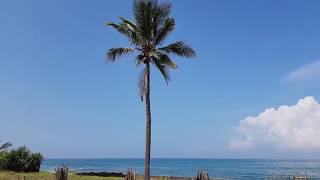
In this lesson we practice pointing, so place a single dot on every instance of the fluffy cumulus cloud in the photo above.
(307, 72)
(295, 127)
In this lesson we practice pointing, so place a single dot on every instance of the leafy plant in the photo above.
(21, 160)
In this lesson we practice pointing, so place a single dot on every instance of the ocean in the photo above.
(224, 168)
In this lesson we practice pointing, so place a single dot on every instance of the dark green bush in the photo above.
(20, 160)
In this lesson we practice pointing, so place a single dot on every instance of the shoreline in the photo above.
(224, 159)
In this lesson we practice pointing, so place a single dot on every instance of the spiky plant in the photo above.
(146, 34)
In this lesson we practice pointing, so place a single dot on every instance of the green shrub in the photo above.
(20, 160)
(2, 159)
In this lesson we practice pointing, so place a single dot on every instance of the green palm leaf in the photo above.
(179, 48)
(166, 60)
(142, 11)
(128, 29)
(163, 68)
(140, 59)
(129, 23)
(120, 28)
(160, 15)
(113, 53)
(164, 31)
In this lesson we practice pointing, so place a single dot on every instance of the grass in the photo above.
(5, 175)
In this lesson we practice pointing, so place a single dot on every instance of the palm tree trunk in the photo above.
(148, 127)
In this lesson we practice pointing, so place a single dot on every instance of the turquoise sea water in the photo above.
(227, 168)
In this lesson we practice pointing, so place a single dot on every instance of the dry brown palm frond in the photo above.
(142, 84)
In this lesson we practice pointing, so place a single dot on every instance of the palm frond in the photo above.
(166, 60)
(142, 84)
(129, 23)
(128, 29)
(134, 31)
(179, 48)
(161, 12)
(150, 16)
(113, 53)
(120, 28)
(142, 10)
(5, 146)
(150, 27)
(140, 59)
(163, 69)
(164, 31)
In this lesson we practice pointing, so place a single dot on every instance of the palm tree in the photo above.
(146, 33)
(5, 146)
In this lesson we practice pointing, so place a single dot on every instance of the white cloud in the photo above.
(307, 72)
(295, 127)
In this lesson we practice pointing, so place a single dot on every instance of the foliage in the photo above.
(6, 175)
(20, 160)
(152, 24)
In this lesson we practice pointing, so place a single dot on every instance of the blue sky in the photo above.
(58, 96)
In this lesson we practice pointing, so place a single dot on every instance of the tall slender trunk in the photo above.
(148, 127)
